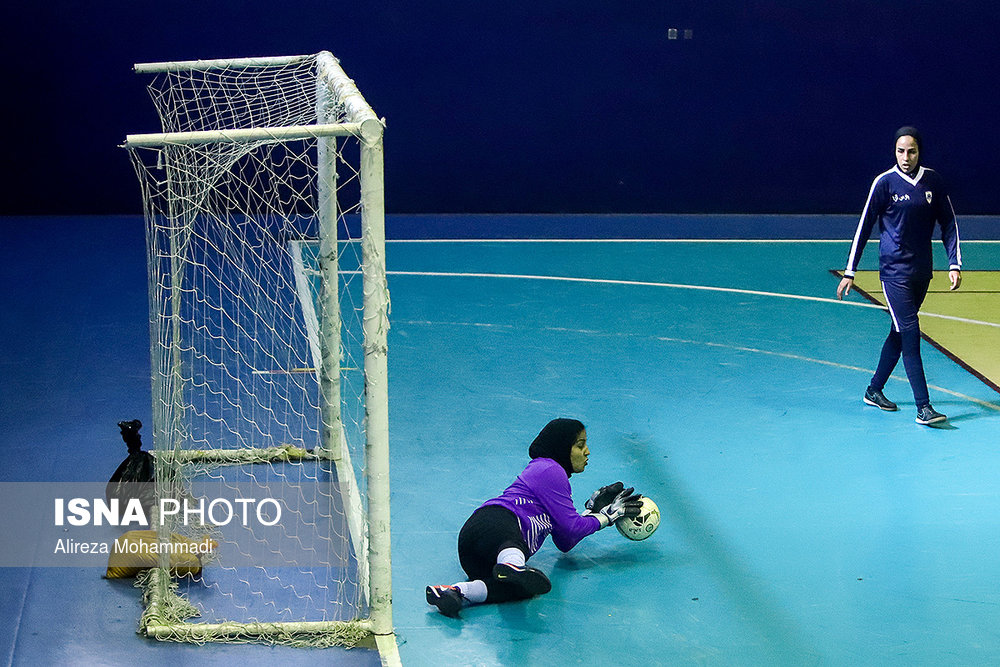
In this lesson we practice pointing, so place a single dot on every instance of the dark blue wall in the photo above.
(541, 106)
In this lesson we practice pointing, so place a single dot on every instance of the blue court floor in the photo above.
(720, 377)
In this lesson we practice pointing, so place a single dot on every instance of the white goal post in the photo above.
(264, 207)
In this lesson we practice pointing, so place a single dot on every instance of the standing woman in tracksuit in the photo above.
(906, 202)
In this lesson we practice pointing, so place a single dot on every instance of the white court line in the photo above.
(738, 348)
(797, 357)
(639, 283)
(846, 243)
(628, 241)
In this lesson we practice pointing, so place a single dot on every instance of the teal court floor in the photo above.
(720, 377)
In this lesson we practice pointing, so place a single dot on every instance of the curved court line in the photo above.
(739, 348)
(707, 288)
(823, 362)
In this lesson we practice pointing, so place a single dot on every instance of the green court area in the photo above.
(964, 324)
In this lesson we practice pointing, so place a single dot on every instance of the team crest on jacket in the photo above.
(929, 195)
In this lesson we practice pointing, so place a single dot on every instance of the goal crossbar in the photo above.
(216, 64)
(362, 121)
(368, 130)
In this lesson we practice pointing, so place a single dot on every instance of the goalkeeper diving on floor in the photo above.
(504, 532)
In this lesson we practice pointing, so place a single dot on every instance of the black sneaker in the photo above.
(448, 599)
(878, 399)
(928, 415)
(532, 581)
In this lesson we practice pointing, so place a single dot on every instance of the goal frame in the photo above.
(362, 123)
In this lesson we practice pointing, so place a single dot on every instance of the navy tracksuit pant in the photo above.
(904, 298)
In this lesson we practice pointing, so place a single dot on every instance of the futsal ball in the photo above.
(642, 526)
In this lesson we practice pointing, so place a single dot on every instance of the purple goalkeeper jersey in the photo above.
(541, 500)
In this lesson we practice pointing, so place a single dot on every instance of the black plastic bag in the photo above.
(135, 477)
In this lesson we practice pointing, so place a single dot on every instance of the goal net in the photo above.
(263, 200)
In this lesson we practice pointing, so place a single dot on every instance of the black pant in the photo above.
(489, 531)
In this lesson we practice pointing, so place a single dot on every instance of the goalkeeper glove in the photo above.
(624, 505)
(604, 496)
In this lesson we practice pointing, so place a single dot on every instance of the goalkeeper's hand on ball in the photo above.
(625, 504)
(604, 496)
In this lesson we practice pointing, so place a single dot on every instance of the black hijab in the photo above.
(555, 442)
